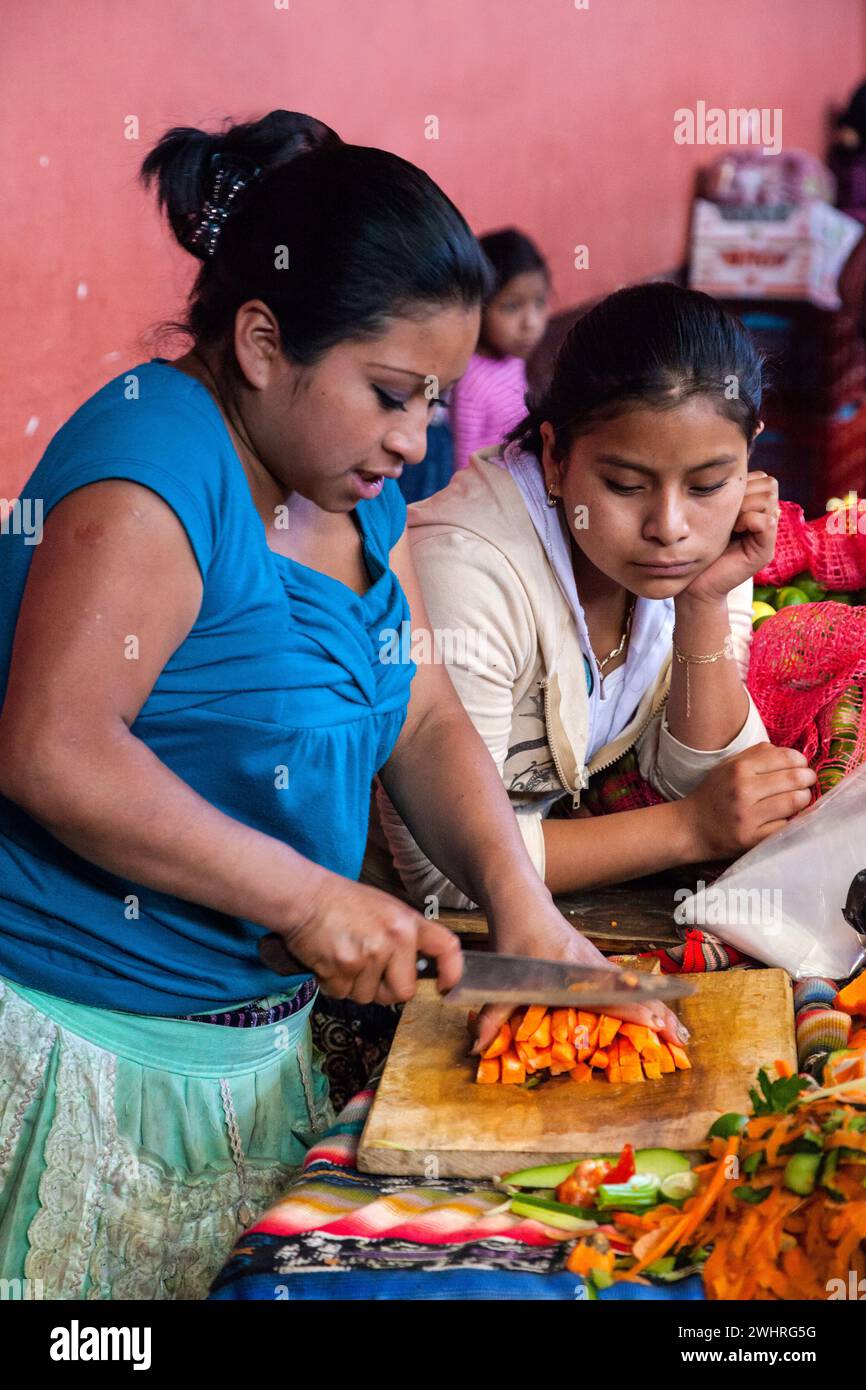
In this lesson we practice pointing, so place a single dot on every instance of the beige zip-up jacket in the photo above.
(485, 575)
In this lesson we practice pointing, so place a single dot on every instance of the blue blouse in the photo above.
(279, 707)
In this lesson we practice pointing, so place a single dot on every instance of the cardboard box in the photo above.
(771, 253)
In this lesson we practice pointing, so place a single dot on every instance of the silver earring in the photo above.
(552, 497)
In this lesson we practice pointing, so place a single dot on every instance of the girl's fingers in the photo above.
(784, 806)
(792, 779)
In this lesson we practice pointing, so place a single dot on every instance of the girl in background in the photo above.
(599, 567)
(489, 400)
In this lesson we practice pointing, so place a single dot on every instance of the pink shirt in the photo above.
(486, 403)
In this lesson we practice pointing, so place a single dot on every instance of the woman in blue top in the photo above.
(194, 704)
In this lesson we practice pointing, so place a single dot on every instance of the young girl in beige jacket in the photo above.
(588, 584)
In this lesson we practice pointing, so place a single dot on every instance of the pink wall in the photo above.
(554, 118)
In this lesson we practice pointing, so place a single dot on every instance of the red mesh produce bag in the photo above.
(825, 547)
(807, 674)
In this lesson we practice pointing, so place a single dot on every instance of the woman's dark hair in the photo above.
(336, 239)
(652, 345)
(511, 253)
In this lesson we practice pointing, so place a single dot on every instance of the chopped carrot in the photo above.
(541, 1059)
(513, 1070)
(666, 1061)
(559, 1025)
(639, 1036)
(585, 1258)
(607, 1030)
(542, 1036)
(534, 1014)
(680, 1057)
(536, 1039)
(500, 1043)
(488, 1070)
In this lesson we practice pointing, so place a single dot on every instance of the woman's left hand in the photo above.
(539, 929)
(750, 547)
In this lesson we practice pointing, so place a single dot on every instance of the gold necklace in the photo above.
(617, 651)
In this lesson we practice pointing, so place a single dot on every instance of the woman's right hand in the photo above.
(746, 799)
(362, 944)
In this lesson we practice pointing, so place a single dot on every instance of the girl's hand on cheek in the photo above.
(747, 552)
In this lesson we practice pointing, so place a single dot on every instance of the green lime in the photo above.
(789, 596)
(679, 1186)
(842, 598)
(727, 1125)
(806, 582)
(763, 593)
(762, 610)
(759, 622)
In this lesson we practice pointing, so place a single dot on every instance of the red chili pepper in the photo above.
(624, 1168)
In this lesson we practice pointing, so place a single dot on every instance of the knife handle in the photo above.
(278, 959)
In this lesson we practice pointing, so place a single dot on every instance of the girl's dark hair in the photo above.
(366, 235)
(654, 345)
(511, 253)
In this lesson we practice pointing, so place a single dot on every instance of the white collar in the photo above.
(653, 622)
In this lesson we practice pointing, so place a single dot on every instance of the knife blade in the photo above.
(489, 978)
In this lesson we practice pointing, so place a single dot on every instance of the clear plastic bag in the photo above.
(782, 902)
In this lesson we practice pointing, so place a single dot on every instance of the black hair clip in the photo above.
(231, 173)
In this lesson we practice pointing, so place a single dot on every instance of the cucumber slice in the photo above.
(552, 1214)
(678, 1186)
(661, 1162)
(550, 1176)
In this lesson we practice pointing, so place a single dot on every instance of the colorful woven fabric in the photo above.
(619, 787)
(700, 951)
(393, 1237)
(814, 989)
(261, 1012)
(820, 1028)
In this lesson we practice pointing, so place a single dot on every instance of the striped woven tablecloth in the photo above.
(338, 1233)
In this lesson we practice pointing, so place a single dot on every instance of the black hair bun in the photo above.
(182, 162)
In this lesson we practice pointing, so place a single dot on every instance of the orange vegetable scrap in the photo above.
(585, 1045)
(853, 997)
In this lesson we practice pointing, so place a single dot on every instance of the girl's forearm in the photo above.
(596, 850)
(458, 810)
(717, 701)
(112, 801)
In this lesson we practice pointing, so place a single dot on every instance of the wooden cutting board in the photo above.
(430, 1117)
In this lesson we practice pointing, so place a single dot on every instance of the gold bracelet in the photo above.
(688, 659)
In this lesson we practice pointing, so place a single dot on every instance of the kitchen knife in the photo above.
(489, 978)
